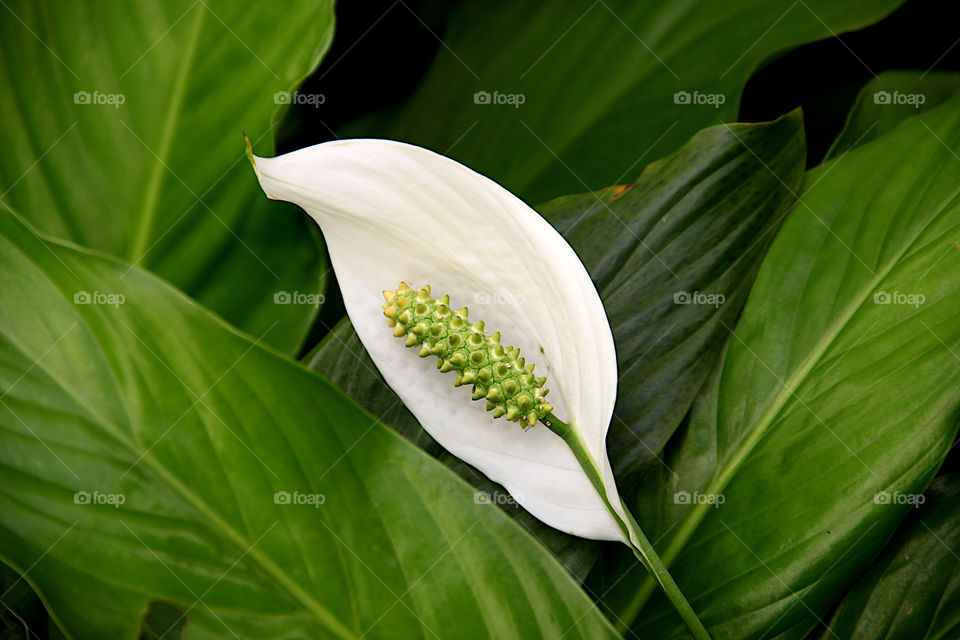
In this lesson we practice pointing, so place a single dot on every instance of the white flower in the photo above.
(392, 212)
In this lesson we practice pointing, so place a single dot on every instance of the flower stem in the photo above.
(639, 544)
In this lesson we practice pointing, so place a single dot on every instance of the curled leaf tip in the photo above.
(498, 374)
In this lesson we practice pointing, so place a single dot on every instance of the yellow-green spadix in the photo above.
(498, 374)
(392, 212)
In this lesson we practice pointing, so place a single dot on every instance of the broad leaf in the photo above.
(840, 381)
(673, 256)
(150, 454)
(912, 591)
(129, 142)
(605, 86)
(889, 99)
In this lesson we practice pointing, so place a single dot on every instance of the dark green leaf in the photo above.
(888, 100)
(598, 81)
(144, 450)
(122, 132)
(912, 591)
(841, 381)
(673, 256)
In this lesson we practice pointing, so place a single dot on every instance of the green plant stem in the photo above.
(639, 544)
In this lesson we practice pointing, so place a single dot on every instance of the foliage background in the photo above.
(382, 50)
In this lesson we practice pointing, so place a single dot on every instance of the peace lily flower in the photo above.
(397, 218)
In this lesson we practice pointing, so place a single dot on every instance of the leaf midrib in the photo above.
(321, 613)
(787, 390)
(151, 201)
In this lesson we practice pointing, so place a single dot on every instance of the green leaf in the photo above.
(122, 132)
(21, 612)
(912, 591)
(341, 359)
(840, 382)
(889, 99)
(598, 82)
(144, 443)
(673, 256)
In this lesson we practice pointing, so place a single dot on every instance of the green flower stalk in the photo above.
(498, 373)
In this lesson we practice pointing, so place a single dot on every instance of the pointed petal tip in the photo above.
(257, 163)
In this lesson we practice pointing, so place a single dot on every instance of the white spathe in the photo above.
(394, 212)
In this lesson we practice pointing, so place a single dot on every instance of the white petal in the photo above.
(392, 212)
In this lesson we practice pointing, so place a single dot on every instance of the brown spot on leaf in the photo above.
(620, 189)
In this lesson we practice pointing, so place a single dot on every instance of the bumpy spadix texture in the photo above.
(391, 212)
(497, 373)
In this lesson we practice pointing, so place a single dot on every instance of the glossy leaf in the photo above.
(578, 95)
(673, 256)
(128, 141)
(841, 381)
(150, 453)
(889, 99)
(912, 591)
